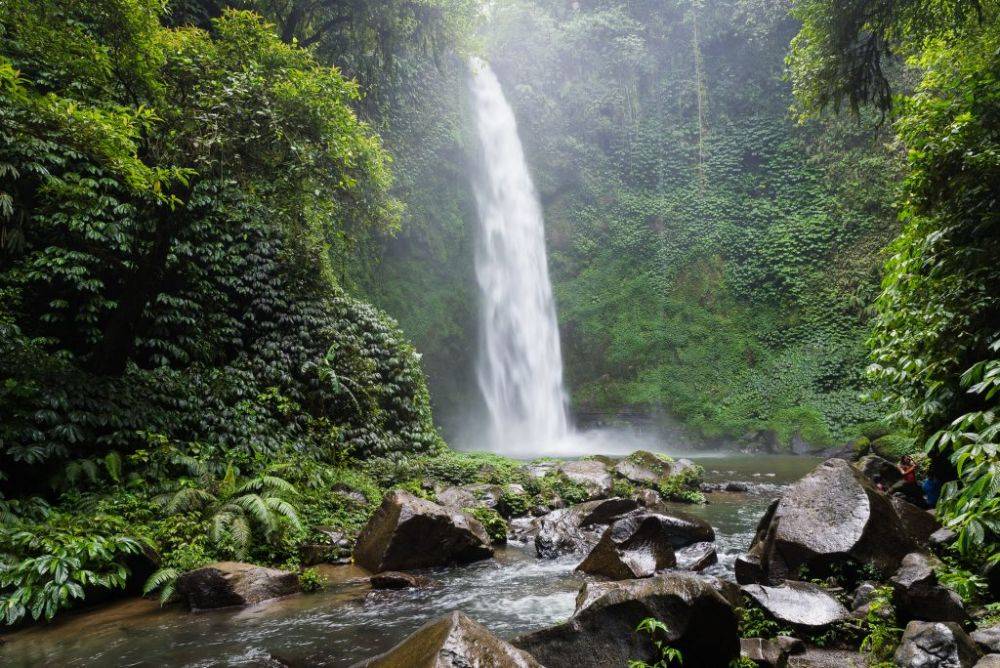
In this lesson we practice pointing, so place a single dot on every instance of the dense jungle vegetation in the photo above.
(756, 214)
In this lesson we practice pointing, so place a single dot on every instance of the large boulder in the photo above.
(644, 468)
(574, 529)
(684, 529)
(917, 594)
(636, 546)
(832, 517)
(454, 641)
(700, 622)
(919, 523)
(408, 532)
(592, 474)
(936, 645)
(799, 604)
(879, 468)
(397, 580)
(229, 583)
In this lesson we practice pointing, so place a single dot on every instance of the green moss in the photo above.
(496, 526)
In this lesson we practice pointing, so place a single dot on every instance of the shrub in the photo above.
(512, 504)
(496, 526)
(310, 580)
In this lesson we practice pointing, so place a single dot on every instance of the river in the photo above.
(513, 593)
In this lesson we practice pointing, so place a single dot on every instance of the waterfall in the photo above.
(519, 368)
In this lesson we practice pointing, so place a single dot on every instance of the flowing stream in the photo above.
(520, 364)
(511, 594)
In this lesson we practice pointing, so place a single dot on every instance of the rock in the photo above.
(886, 471)
(697, 557)
(833, 516)
(800, 604)
(397, 580)
(577, 528)
(919, 523)
(647, 497)
(336, 548)
(764, 652)
(791, 645)
(635, 546)
(917, 594)
(989, 661)
(863, 595)
(988, 639)
(747, 569)
(470, 496)
(601, 633)
(727, 589)
(942, 538)
(644, 468)
(936, 645)
(684, 529)
(592, 474)
(352, 495)
(229, 583)
(453, 641)
(814, 657)
(407, 532)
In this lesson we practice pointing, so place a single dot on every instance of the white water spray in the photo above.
(520, 364)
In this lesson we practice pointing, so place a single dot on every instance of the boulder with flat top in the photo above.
(592, 474)
(833, 517)
(917, 594)
(936, 645)
(230, 583)
(407, 532)
(453, 641)
(800, 604)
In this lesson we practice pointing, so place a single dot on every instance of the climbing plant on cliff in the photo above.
(936, 344)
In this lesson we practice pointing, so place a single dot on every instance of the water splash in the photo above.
(520, 363)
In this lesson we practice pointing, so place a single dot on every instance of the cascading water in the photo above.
(520, 363)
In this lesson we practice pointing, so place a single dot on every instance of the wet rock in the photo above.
(684, 529)
(989, 661)
(833, 516)
(601, 633)
(936, 645)
(454, 641)
(636, 546)
(397, 580)
(229, 583)
(647, 497)
(577, 528)
(407, 532)
(874, 467)
(917, 594)
(942, 538)
(747, 569)
(988, 639)
(727, 589)
(764, 652)
(919, 523)
(592, 474)
(800, 604)
(697, 557)
(644, 468)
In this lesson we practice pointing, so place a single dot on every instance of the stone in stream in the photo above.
(592, 474)
(917, 594)
(229, 583)
(574, 529)
(682, 528)
(601, 633)
(397, 580)
(988, 639)
(697, 557)
(636, 546)
(936, 645)
(453, 641)
(832, 517)
(407, 532)
(800, 604)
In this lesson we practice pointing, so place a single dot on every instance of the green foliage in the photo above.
(972, 587)
(683, 486)
(47, 565)
(881, 633)
(310, 580)
(555, 483)
(666, 655)
(755, 623)
(495, 525)
(513, 504)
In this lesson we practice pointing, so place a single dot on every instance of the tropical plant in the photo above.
(665, 654)
(882, 635)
